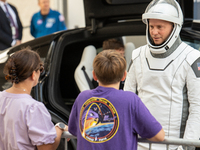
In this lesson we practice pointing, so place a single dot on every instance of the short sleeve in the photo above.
(41, 130)
(72, 124)
(144, 123)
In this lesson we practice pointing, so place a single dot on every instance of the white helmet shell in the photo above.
(168, 10)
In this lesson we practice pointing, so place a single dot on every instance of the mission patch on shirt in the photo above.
(99, 120)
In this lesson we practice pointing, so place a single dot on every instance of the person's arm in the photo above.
(32, 28)
(160, 136)
(5, 38)
(192, 130)
(61, 23)
(130, 82)
(41, 130)
(56, 143)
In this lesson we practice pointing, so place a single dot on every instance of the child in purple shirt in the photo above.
(109, 118)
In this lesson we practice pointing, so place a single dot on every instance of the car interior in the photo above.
(72, 77)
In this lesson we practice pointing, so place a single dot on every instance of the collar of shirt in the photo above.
(11, 11)
(2, 5)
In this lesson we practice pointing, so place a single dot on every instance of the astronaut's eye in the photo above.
(91, 114)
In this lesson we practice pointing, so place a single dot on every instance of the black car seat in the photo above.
(83, 73)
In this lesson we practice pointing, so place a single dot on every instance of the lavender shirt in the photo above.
(24, 122)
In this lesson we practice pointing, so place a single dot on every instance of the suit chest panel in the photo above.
(160, 76)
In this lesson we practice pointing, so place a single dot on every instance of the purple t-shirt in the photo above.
(24, 122)
(106, 118)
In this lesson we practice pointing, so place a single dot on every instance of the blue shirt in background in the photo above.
(44, 25)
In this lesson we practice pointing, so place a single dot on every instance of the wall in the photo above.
(75, 14)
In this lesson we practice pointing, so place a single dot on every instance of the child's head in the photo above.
(109, 67)
(115, 44)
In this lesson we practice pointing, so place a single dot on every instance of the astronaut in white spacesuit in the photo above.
(166, 73)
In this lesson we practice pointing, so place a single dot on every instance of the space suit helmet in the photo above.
(167, 10)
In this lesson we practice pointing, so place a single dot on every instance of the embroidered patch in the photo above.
(51, 20)
(196, 67)
(98, 121)
(61, 18)
(39, 22)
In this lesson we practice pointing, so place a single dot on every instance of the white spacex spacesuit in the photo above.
(167, 77)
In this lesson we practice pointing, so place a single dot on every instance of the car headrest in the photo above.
(129, 47)
(88, 56)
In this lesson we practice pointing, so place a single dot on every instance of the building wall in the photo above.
(75, 14)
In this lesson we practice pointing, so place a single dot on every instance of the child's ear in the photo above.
(124, 76)
(94, 75)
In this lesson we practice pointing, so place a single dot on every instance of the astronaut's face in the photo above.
(44, 4)
(160, 30)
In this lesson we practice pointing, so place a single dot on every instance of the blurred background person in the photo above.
(46, 21)
(10, 26)
(115, 44)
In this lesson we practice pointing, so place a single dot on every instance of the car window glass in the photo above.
(196, 12)
(193, 43)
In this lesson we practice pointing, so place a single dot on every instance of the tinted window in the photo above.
(193, 43)
(196, 11)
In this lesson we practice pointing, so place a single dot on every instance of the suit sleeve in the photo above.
(5, 38)
(61, 22)
(130, 82)
(32, 28)
(192, 130)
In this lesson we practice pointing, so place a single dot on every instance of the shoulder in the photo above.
(30, 102)
(54, 12)
(128, 95)
(13, 7)
(35, 107)
(193, 55)
(35, 15)
(137, 52)
(86, 93)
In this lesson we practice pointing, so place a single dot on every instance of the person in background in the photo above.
(25, 124)
(46, 21)
(106, 118)
(10, 26)
(115, 44)
(165, 73)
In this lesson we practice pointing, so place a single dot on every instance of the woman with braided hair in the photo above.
(24, 122)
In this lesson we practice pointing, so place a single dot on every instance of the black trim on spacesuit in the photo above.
(169, 51)
(158, 69)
